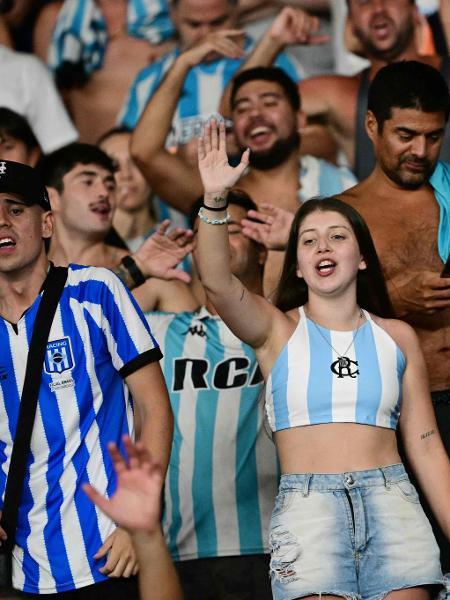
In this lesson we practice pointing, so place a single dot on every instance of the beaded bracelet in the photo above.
(215, 208)
(205, 219)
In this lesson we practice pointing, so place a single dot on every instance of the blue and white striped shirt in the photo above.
(318, 177)
(80, 36)
(98, 337)
(201, 93)
(222, 477)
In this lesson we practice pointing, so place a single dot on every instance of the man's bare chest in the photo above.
(405, 235)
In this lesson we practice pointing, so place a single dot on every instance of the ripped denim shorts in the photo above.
(357, 535)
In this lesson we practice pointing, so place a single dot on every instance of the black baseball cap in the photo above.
(17, 178)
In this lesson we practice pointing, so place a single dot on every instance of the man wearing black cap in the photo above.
(98, 342)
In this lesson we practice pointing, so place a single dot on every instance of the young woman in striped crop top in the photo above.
(340, 374)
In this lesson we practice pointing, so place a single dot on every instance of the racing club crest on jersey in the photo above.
(58, 356)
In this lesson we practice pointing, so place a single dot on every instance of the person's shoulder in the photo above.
(354, 194)
(155, 69)
(22, 60)
(401, 332)
(94, 275)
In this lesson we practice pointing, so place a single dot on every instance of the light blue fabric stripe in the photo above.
(320, 381)
(330, 179)
(146, 19)
(369, 378)
(291, 68)
(401, 365)
(440, 181)
(77, 24)
(249, 513)
(202, 480)
(173, 348)
(280, 377)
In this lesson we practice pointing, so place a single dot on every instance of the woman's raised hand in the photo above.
(217, 175)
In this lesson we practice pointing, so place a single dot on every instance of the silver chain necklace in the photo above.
(343, 361)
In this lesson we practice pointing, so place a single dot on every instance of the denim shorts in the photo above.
(358, 535)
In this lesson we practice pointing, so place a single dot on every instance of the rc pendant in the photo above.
(343, 366)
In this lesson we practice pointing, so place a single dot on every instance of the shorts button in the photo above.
(349, 480)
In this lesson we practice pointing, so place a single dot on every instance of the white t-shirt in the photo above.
(28, 88)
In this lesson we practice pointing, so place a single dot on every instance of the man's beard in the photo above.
(413, 182)
(277, 154)
(389, 54)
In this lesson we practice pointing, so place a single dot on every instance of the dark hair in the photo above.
(407, 84)
(54, 166)
(121, 129)
(16, 126)
(235, 196)
(371, 291)
(274, 74)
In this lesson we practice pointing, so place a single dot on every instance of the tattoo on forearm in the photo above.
(242, 295)
(423, 436)
(220, 199)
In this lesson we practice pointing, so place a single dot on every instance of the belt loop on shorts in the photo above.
(387, 480)
(306, 482)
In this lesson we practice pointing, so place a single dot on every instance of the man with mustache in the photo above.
(405, 202)
(81, 183)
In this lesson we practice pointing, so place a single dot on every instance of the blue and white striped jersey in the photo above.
(223, 475)
(201, 93)
(318, 177)
(98, 337)
(325, 376)
(80, 35)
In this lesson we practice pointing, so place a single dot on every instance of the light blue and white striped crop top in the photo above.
(308, 386)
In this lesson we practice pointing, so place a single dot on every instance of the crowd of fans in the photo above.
(224, 158)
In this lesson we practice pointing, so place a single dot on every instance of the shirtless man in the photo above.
(405, 202)
(385, 29)
(95, 104)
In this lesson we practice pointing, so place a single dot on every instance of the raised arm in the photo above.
(423, 445)
(292, 26)
(170, 177)
(135, 507)
(247, 314)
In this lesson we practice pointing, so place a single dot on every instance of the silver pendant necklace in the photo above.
(342, 366)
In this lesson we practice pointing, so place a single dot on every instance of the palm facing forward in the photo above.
(217, 175)
(136, 503)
